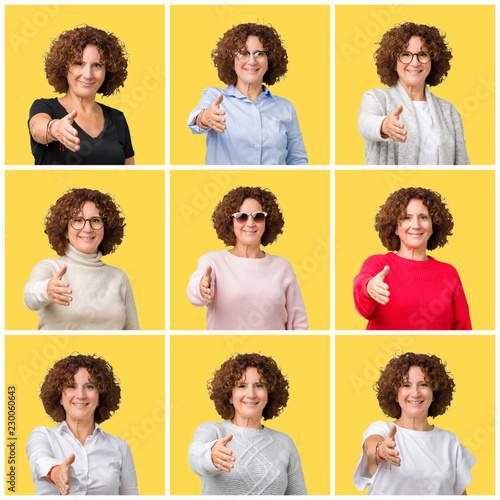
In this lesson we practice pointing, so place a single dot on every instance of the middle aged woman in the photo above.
(409, 290)
(406, 124)
(411, 456)
(75, 129)
(82, 226)
(244, 123)
(240, 456)
(245, 288)
(77, 457)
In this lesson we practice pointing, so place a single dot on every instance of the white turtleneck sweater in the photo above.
(102, 295)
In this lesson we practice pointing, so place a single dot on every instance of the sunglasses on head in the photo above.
(242, 217)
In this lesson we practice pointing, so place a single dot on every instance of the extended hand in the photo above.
(205, 291)
(392, 127)
(57, 290)
(221, 456)
(65, 133)
(213, 116)
(377, 289)
(59, 475)
(386, 448)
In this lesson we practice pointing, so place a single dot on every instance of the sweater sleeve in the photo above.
(461, 315)
(295, 308)
(131, 320)
(365, 305)
(128, 476)
(40, 455)
(370, 117)
(193, 289)
(200, 451)
(35, 290)
(207, 98)
(461, 156)
(296, 482)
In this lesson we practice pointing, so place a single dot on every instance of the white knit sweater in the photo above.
(102, 295)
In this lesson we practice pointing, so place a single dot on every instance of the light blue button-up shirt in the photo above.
(266, 132)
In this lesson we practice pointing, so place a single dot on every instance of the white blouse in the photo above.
(102, 466)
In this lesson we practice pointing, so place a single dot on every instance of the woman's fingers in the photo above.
(222, 456)
(205, 290)
(58, 290)
(394, 128)
(213, 116)
(65, 133)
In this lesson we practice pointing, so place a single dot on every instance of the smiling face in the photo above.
(87, 239)
(249, 398)
(85, 77)
(414, 73)
(415, 395)
(415, 229)
(250, 73)
(80, 399)
(250, 232)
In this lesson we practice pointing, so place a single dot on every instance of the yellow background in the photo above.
(306, 418)
(359, 28)
(470, 196)
(304, 242)
(139, 364)
(306, 85)
(29, 30)
(28, 196)
(471, 415)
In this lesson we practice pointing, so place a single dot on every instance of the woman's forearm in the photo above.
(38, 128)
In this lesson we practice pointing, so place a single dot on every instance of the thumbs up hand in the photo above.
(57, 290)
(386, 449)
(213, 116)
(222, 456)
(377, 289)
(392, 127)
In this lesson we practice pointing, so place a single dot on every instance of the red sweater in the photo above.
(425, 295)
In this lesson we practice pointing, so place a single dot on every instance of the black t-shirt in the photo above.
(111, 147)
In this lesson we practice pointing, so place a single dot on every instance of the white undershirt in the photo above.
(428, 153)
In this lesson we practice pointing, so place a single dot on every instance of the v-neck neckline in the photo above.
(97, 137)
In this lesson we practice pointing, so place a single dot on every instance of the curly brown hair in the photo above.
(395, 374)
(231, 203)
(396, 40)
(68, 48)
(70, 204)
(220, 387)
(235, 40)
(394, 210)
(62, 375)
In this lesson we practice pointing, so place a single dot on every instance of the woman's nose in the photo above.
(415, 390)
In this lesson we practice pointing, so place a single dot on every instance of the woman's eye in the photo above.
(97, 65)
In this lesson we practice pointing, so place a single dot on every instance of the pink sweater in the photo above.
(425, 295)
(249, 294)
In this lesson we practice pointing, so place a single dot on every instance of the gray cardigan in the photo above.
(379, 103)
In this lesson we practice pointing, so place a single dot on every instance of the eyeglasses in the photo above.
(242, 217)
(422, 57)
(244, 55)
(78, 223)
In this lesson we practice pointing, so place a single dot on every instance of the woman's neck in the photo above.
(250, 91)
(248, 252)
(82, 105)
(81, 429)
(247, 422)
(415, 93)
(414, 423)
(413, 253)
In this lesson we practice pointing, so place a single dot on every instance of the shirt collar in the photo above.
(232, 91)
(63, 427)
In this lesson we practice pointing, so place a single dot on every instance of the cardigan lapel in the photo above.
(408, 151)
(445, 138)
